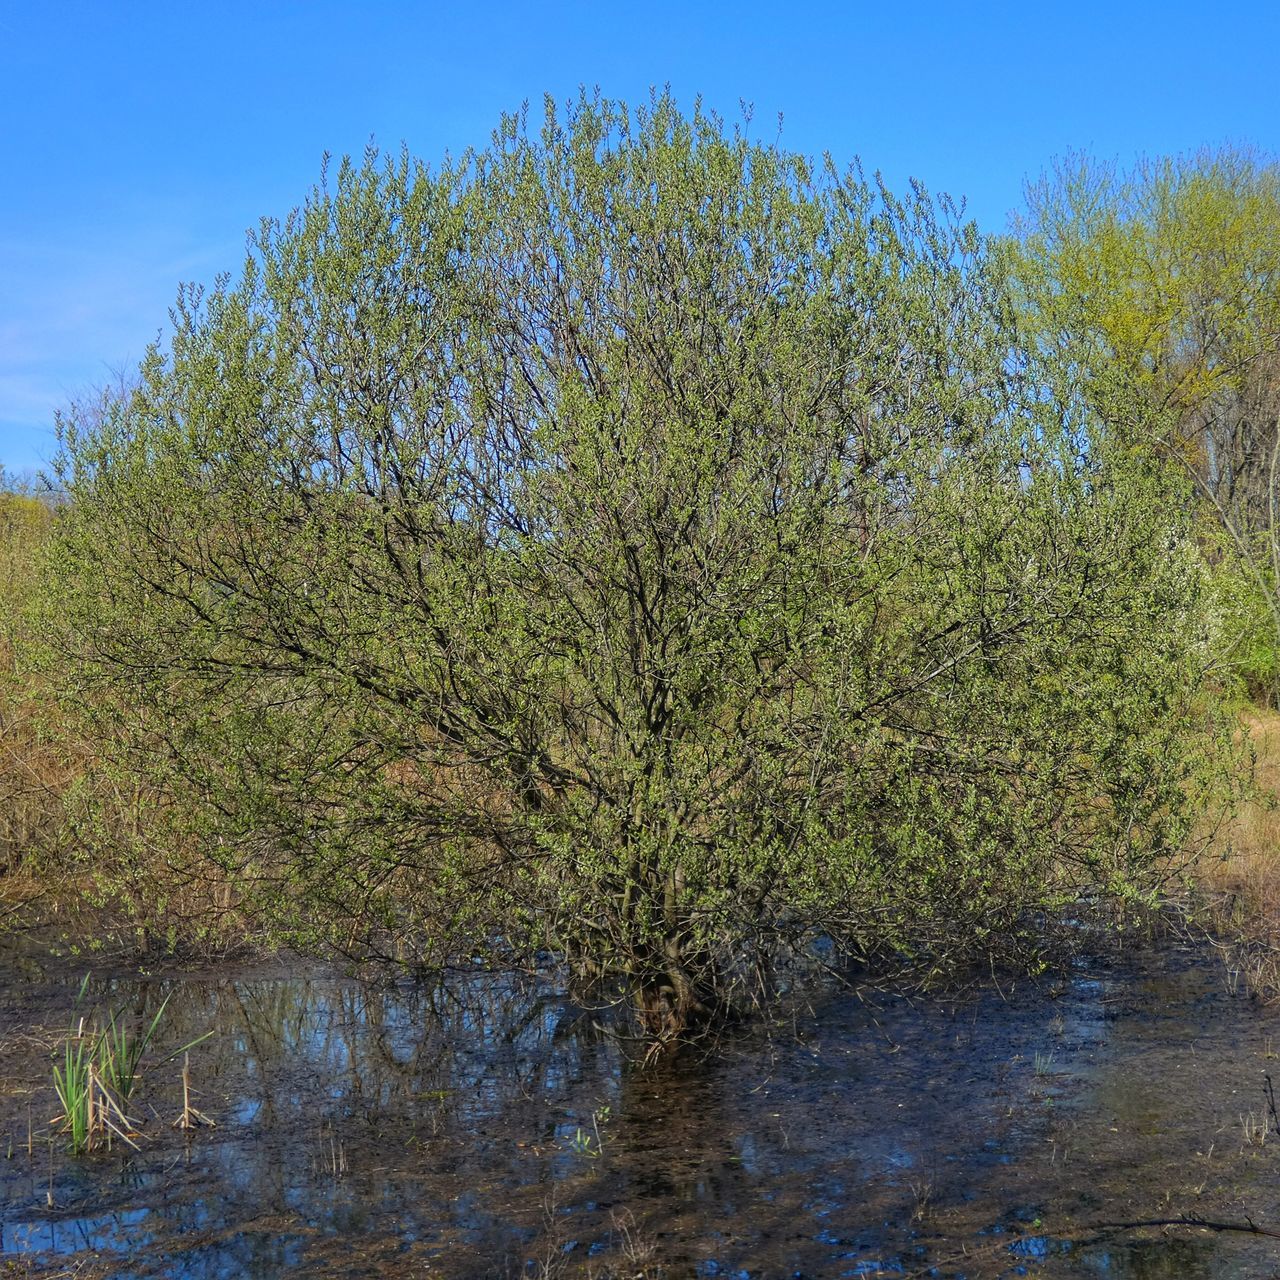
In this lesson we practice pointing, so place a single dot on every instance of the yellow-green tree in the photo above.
(1161, 287)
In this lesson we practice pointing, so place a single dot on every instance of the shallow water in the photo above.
(491, 1129)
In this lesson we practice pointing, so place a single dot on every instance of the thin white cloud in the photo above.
(71, 316)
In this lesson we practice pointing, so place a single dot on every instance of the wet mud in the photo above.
(490, 1127)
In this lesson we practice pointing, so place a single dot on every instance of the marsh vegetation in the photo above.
(644, 563)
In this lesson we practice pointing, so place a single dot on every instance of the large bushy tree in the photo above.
(634, 543)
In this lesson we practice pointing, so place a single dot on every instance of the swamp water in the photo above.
(491, 1130)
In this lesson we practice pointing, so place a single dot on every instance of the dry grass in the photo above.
(34, 770)
(1238, 877)
(79, 853)
(1245, 859)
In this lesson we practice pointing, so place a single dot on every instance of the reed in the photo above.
(71, 1083)
(190, 1117)
(92, 1114)
(119, 1052)
(97, 1076)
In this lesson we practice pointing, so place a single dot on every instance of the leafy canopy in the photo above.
(636, 542)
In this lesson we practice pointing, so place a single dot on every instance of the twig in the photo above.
(1247, 1227)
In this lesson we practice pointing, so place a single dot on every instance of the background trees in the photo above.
(1162, 287)
(636, 543)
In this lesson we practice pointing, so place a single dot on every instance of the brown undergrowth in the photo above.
(1236, 881)
(84, 859)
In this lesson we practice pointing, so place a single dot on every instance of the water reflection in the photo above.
(490, 1127)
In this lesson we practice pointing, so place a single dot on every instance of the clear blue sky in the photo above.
(138, 141)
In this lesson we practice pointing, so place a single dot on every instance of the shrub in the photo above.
(635, 542)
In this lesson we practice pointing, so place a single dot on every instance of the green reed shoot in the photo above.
(73, 1085)
(119, 1052)
(97, 1077)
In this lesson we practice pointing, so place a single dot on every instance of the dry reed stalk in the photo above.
(190, 1117)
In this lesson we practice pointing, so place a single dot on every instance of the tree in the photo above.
(633, 543)
(1162, 285)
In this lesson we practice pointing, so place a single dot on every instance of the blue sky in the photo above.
(139, 141)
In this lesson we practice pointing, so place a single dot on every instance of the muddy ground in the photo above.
(492, 1128)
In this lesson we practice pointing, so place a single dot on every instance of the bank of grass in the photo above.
(33, 768)
(1237, 877)
(84, 857)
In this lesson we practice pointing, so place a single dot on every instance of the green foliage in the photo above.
(636, 542)
(1241, 601)
(1161, 289)
(119, 1052)
(1165, 275)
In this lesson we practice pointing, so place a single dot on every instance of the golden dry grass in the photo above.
(1238, 875)
(36, 762)
(1245, 857)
